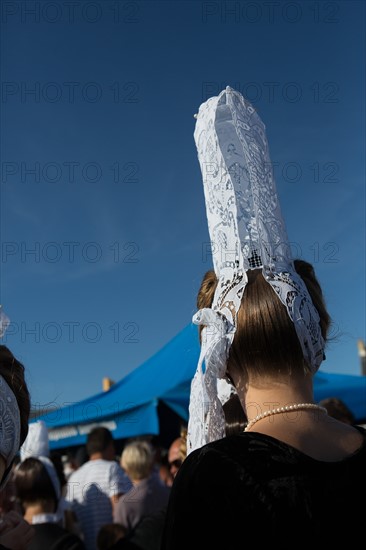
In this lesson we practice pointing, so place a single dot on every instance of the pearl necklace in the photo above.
(281, 410)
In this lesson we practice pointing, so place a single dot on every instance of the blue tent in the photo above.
(130, 407)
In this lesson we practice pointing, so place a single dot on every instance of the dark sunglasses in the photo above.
(176, 463)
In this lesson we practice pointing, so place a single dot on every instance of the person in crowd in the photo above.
(295, 474)
(147, 535)
(174, 457)
(38, 490)
(177, 452)
(148, 493)
(338, 409)
(94, 489)
(37, 445)
(15, 532)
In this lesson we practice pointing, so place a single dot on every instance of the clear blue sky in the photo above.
(100, 177)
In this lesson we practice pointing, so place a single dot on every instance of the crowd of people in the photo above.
(265, 463)
(91, 499)
(102, 501)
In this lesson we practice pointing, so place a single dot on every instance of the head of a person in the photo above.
(265, 342)
(109, 534)
(137, 460)
(338, 409)
(100, 444)
(15, 416)
(34, 485)
(177, 452)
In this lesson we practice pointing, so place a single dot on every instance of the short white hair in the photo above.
(137, 459)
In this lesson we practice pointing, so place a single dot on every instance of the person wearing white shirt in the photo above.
(95, 487)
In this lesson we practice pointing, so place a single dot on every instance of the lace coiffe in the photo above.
(247, 231)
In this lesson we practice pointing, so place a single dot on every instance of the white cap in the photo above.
(36, 443)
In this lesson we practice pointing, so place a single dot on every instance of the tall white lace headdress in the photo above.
(247, 231)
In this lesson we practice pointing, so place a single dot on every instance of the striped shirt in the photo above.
(89, 491)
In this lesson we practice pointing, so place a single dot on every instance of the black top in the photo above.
(50, 536)
(254, 487)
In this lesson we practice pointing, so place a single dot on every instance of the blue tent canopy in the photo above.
(129, 408)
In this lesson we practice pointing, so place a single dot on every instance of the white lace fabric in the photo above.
(9, 423)
(247, 231)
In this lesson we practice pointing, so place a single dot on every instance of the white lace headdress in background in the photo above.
(9, 428)
(9, 416)
(246, 232)
(36, 443)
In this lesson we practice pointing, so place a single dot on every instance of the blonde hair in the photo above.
(137, 459)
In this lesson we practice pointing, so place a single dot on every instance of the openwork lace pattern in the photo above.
(247, 231)
(9, 422)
